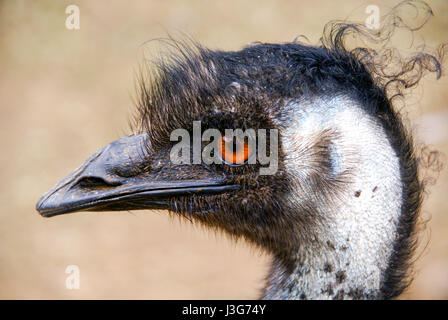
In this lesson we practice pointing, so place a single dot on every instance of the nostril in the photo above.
(96, 182)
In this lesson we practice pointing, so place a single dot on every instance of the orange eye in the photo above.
(233, 151)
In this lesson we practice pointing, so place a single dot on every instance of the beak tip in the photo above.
(40, 207)
(45, 207)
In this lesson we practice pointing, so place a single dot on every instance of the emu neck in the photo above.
(347, 252)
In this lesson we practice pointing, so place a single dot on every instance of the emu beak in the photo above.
(117, 178)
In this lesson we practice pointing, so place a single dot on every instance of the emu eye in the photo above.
(234, 151)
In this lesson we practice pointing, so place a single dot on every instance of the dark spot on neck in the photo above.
(328, 290)
(357, 193)
(374, 189)
(330, 245)
(328, 267)
(340, 276)
(359, 294)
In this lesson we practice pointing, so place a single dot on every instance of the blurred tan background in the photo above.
(66, 93)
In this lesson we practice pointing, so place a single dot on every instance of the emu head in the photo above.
(251, 89)
(267, 86)
(345, 178)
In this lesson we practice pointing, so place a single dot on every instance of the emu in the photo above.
(338, 216)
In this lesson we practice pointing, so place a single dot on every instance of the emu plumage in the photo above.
(339, 214)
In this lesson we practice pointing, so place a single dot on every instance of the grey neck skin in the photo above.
(350, 250)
